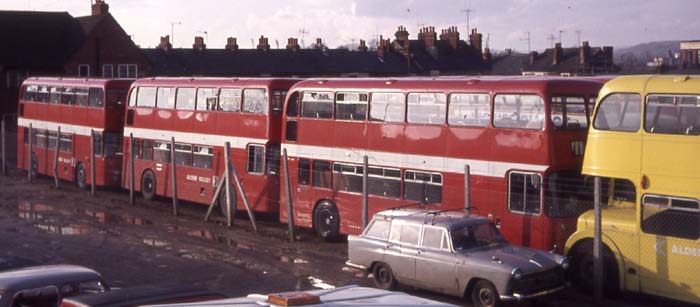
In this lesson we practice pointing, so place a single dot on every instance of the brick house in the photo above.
(58, 44)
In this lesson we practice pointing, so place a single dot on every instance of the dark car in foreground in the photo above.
(452, 253)
(47, 285)
(143, 295)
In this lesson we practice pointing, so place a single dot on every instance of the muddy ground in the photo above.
(145, 244)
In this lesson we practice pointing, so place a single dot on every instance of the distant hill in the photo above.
(646, 51)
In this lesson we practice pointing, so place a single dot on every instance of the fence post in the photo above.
(467, 189)
(132, 177)
(597, 244)
(227, 178)
(92, 162)
(239, 184)
(55, 157)
(365, 196)
(29, 154)
(288, 191)
(4, 148)
(173, 174)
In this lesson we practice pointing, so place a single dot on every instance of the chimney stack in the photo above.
(363, 46)
(199, 43)
(263, 44)
(509, 51)
(608, 53)
(292, 44)
(231, 44)
(451, 35)
(428, 36)
(533, 57)
(557, 54)
(99, 8)
(319, 43)
(475, 39)
(401, 34)
(165, 44)
(584, 54)
(383, 47)
(487, 55)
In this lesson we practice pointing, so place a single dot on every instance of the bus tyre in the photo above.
(383, 276)
(148, 185)
(34, 165)
(222, 201)
(81, 176)
(582, 274)
(327, 221)
(484, 294)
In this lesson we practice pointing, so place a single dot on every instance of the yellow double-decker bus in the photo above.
(645, 143)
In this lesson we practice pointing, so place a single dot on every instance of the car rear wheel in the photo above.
(81, 176)
(148, 185)
(383, 276)
(327, 221)
(484, 294)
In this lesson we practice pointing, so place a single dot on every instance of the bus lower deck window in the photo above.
(524, 193)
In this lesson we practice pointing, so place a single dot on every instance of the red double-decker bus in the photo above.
(78, 107)
(202, 114)
(522, 140)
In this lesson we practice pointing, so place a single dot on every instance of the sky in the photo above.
(503, 23)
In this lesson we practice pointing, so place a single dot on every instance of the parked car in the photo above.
(452, 253)
(143, 295)
(47, 285)
(347, 296)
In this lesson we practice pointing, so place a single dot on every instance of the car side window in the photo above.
(395, 233)
(433, 237)
(379, 229)
(410, 234)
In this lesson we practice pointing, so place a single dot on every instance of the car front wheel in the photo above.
(484, 294)
(383, 276)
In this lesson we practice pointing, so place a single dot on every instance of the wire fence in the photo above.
(649, 240)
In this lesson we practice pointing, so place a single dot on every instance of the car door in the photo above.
(402, 249)
(435, 262)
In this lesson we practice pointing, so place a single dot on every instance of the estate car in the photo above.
(453, 253)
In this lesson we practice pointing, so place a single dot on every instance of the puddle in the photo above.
(155, 242)
(109, 218)
(300, 261)
(320, 284)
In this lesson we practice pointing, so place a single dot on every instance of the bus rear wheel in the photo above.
(148, 185)
(327, 221)
(81, 176)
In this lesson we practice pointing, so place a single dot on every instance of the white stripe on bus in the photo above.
(192, 138)
(53, 126)
(409, 161)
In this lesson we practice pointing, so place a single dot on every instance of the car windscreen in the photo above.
(473, 236)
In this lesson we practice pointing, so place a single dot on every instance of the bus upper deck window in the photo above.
(96, 97)
(81, 96)
(255, 100)
(672, 114)
(619, 112)
(518, 111)
(569, 113)
(387, 107)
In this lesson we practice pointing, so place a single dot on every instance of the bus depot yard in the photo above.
(142, 244)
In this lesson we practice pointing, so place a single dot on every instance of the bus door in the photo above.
(670, 246)
(522, 224)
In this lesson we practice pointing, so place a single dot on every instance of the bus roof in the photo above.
(215, 82)
(448, 83)
(78, 81)
(660, 84)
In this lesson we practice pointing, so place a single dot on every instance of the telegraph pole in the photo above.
(528, 41)
(172, 31)
(467, 11)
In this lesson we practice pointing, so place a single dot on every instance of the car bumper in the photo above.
(520, 297)
(357, 266)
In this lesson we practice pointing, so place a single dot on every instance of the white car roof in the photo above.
(340, 297)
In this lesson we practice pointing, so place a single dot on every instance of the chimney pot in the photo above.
(557, 54)
(533, 57)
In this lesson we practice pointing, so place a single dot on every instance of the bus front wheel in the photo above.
(81, 176)
(581, 271)
(327, 221)
(148, 185)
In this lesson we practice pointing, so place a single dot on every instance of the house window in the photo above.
(107, 71)
(84, 71)
(127, 71)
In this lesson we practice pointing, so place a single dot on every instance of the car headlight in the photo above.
(517, 274)
(565, 264)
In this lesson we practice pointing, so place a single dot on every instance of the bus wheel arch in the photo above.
(81, 176)
(148, 184)
(326, 220)
(581, 270)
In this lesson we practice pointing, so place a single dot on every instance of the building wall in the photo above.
(108, 44)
